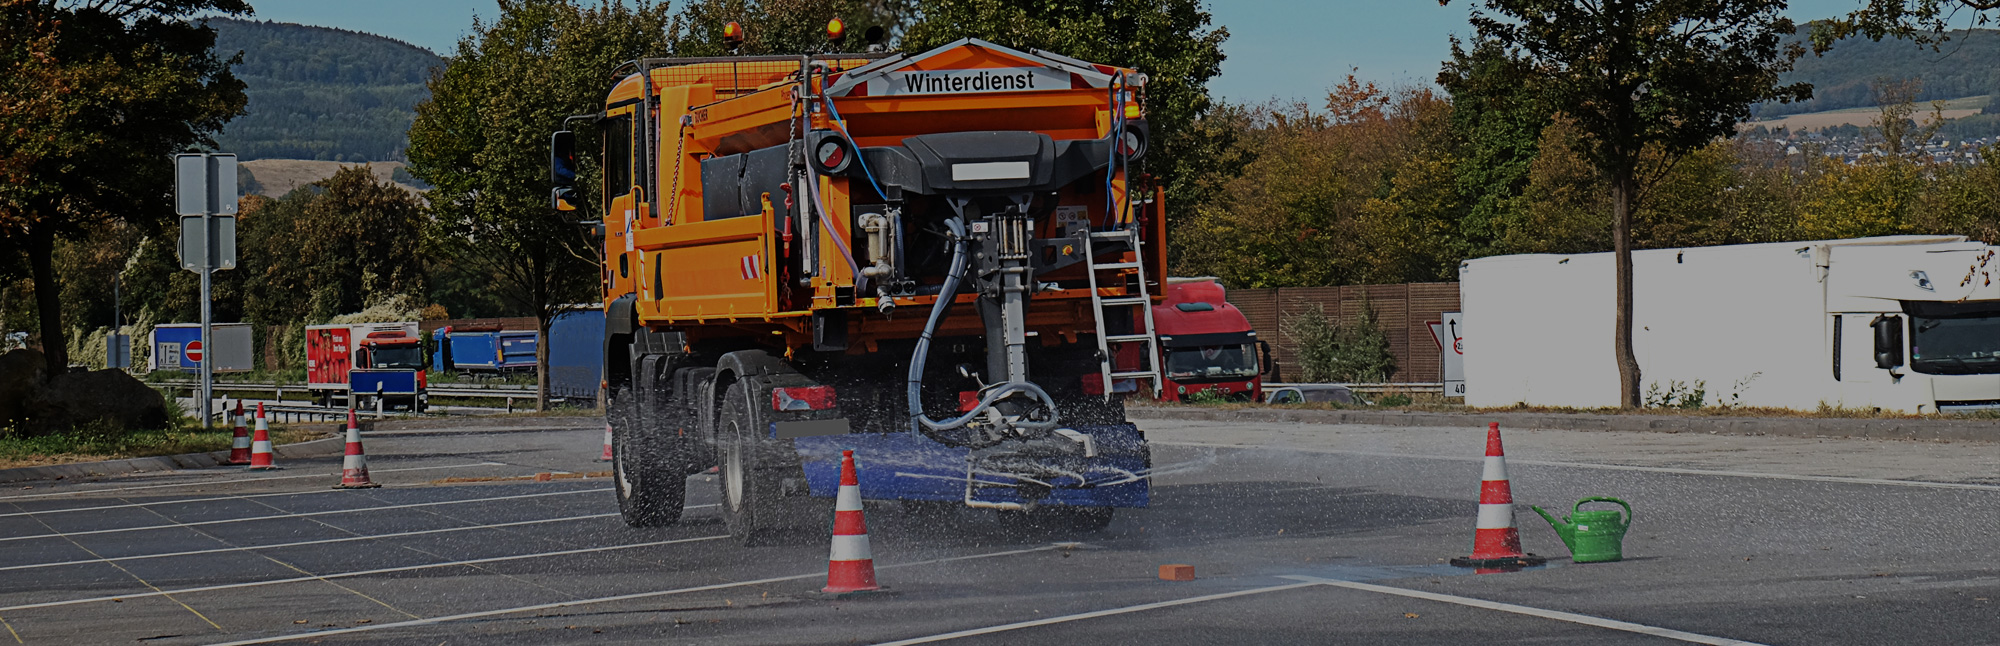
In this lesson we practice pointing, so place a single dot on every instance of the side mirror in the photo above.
(562, 158)
(1264, 347)
(1888, 341)
(562, 172)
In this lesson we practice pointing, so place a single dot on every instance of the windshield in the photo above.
(1212, 362)
(399, 357)
(1955, 343)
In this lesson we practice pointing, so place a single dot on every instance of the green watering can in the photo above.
(1592, 536)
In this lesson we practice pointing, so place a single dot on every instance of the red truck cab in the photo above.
(1207, 344)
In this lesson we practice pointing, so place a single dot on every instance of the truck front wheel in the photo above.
(651, 482)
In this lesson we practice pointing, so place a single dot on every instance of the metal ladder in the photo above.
(1101, 306)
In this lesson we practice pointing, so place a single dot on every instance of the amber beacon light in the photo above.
(732, 35)
(836, 30)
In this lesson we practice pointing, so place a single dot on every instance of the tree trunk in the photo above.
(48, 297)
(1624, 191)
(542, 359)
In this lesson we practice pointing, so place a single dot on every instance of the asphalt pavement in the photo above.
(1298, 533)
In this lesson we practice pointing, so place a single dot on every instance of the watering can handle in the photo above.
(1621, 503)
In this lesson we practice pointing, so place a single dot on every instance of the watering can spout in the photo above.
(1566, 531)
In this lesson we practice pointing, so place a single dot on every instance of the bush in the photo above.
(1398, 399)
(1328, 351)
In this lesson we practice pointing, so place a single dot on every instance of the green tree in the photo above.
(331, 247)
(139, 83)
(1674, 75)
(785, 26)
(481, 141)
(1501, 125)
(1171, 41)
(1925, 21)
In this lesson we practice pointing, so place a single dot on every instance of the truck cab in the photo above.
(389, 365)
(1207, 344)
(351, 363)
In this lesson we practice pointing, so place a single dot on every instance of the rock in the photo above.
(21, 388)
(31, 405)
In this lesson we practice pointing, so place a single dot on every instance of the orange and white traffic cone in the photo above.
(239, 448)
(851, 568)
(260, 444)
(354, 468)
(1496, 543)
(607, 443)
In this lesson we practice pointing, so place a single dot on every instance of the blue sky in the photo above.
(1276, 48)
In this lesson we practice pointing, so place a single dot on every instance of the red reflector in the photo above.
(967, 400)
(802, 398)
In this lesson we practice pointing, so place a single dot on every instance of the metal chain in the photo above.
(680, 155)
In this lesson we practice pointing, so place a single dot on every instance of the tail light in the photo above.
(803, 398)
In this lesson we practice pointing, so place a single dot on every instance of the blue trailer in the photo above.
(576, 354)
(468, 352)
(517, 351)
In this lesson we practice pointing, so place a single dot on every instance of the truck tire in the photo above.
(652, 489)
(755, 506)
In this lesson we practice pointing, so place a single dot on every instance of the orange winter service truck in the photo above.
(924, 258)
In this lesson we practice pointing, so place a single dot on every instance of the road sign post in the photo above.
(204, 188)
(1450, 335)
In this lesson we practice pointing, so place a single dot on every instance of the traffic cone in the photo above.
(354, 468)
(1496, 543)
(607, 443)
(851, 568)
(260, 444)
(239, 448)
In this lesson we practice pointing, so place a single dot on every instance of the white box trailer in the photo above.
(1902, 323)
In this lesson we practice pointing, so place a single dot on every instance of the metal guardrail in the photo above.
(496, 391)
(1434, 388)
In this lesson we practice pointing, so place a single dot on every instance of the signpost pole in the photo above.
(205, 197)
(207, 345)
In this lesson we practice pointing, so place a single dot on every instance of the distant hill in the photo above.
(1967, 66)
(322, 94)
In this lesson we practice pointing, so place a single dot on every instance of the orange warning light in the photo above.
(732, 35)
(836, 30)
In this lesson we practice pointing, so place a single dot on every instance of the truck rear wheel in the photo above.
(755, 504)
(651, 479)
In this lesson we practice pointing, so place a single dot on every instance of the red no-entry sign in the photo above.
(192, 352)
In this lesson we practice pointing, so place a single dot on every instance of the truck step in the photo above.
(1127, 300)
(1115, 265)
(1111, 235)
(1128, 338)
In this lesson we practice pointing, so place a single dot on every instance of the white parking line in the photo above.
(1609, 467)
(252, 548)
(80, 492)
(1557, 615)
(42, 512)
(1310, 581)
(623, 597)
(1093, 615)
(345, 575)
(302, 514)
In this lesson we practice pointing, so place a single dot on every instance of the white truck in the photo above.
(1898, 323)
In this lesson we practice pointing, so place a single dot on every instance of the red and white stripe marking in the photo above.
(752, 267)
(851, 567)
(260, 444)
(1496, 536)
(607, 443)
(354, 466)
